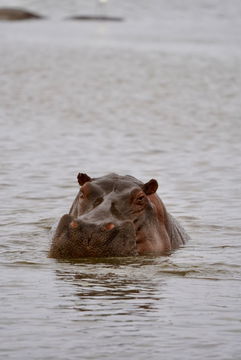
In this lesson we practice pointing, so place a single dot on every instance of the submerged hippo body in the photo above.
(116, 215)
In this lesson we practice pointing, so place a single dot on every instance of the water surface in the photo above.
(157, 96)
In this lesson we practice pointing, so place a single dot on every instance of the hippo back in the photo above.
(177, 234)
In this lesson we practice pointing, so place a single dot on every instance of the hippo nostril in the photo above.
(109, 226)
(73, 224)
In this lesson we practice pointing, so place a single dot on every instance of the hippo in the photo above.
(17, 14)
(95, 18)
(116, 215)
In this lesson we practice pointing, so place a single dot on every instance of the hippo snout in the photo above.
(75, 238)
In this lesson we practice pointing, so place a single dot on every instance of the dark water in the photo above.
(155, 96)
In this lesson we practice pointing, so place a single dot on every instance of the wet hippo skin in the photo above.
(116, 215)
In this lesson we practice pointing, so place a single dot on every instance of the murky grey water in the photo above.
(155, 96)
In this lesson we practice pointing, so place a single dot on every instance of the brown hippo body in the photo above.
(95, 18)
(15, 14)
(116, 215)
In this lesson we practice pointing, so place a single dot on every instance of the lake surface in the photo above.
(155, 96)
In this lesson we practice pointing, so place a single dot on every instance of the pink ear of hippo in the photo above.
(83, 178)
(150, 187)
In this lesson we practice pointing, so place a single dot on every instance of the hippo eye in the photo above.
(140, 199)
(98, 202)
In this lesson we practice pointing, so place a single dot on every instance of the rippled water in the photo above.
(155, 96)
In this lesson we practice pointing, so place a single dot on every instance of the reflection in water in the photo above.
(113, 287)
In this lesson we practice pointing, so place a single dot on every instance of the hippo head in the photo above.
(111, 216)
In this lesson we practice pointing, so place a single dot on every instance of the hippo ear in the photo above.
(150, 187)
(83, 178)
